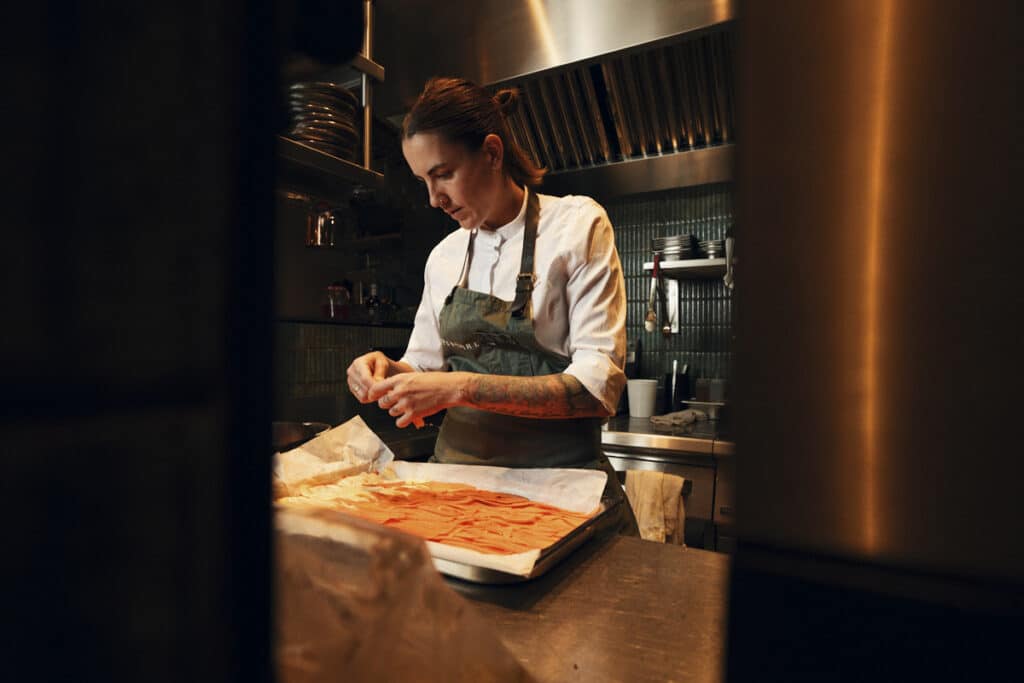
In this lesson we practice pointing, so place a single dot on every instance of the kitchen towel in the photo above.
(679, 418)
(657, 501)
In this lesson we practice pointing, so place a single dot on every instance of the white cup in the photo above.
(642, 393)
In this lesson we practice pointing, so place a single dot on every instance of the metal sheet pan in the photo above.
(549, 556)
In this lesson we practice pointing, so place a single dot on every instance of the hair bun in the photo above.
(507, 100)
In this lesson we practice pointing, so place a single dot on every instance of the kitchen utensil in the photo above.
(651, 321)
(666, 324)
(727, 279)
(320, 227)
(669, 296)
(668, 399)
(677, 388)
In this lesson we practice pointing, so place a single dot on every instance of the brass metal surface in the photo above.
(879, 184)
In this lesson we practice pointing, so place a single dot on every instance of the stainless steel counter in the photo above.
(700, 452)
(709, 437)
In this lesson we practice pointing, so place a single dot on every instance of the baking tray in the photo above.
(549, 557)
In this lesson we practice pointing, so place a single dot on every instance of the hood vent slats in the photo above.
(646, 103)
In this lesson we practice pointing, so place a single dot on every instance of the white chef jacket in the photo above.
(579, 299)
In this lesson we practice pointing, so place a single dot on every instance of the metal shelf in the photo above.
(691, 269)
(307, 170)
(349, 75)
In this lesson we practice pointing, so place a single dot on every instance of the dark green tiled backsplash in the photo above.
(310, 361)
(705, 331)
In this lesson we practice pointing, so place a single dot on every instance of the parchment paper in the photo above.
(352, 447)
(347, 449)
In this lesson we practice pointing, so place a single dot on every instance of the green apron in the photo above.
(485, 334)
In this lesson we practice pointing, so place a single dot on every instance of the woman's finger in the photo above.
(380, 367)
(376, 390)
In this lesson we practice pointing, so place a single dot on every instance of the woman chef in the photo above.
(520, 334)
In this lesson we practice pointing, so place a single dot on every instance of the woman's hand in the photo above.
(412, 396)
(368, 369)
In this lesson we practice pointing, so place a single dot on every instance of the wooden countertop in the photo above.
(619, 609)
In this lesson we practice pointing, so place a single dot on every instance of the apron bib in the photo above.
(482, 333)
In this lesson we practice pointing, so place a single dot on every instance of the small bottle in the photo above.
(373, 304)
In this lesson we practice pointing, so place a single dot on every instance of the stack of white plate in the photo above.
(324, 116)
(675, 247)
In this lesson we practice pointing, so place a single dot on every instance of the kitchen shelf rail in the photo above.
(690, 269)
(350, 74)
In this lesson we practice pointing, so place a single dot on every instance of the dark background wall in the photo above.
(136, 281)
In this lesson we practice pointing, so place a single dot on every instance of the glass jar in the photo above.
(336, 305)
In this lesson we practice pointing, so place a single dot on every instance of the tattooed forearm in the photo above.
(547, 396)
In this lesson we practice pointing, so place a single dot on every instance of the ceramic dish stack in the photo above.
(324, 116)
(712, 248)
(674, 247)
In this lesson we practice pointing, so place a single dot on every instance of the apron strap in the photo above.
(527, 278)
(464, 276)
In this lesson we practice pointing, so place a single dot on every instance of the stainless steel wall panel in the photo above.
(638, 106)
(491, 41)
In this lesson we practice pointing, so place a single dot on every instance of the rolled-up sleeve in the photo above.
(597, 312)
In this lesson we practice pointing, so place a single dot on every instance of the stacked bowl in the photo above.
(713, 248)
(324, 116)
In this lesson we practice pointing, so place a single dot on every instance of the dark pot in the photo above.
(288, 435)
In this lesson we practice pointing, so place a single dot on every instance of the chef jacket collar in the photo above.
(507, 231)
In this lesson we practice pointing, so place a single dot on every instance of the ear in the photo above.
(494, 149)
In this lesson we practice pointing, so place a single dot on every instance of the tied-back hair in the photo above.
(461, 111)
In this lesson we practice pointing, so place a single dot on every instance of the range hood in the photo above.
(615, 99)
